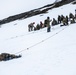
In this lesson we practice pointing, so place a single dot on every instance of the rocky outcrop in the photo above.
(74, 2)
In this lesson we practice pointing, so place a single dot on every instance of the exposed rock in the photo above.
(34, 12)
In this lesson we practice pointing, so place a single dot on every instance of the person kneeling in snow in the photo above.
(31, 26)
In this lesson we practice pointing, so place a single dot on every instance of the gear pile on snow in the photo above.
(7, 56)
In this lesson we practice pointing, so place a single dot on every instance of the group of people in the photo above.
(62, 20)
(66, 20)
(46, 23)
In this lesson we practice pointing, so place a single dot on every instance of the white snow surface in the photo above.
(43, 53)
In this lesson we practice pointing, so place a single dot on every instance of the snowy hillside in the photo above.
(43, 53)
(13, 7)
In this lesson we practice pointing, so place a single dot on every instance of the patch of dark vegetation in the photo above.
(34, 12)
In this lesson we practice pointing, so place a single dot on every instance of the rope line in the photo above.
(32, 32)
(40, 41)
(23, 35)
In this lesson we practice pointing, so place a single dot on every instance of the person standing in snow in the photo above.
(45, 23)
(59, 19)
(48, 24)
(64, 21)
(62, 17)
(67, 20)
(71, 16)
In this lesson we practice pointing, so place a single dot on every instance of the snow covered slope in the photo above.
(43, 53)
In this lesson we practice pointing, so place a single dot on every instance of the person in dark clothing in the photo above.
(54, 22)
(59, 19)
(45, 23)
(62, 17)
(38, 27)
(67, 20)
(41, 24)
(71, 16)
